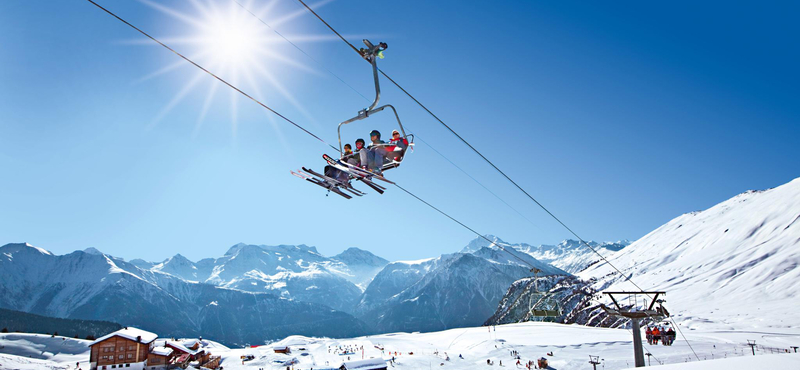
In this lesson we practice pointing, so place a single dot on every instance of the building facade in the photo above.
(125, 348)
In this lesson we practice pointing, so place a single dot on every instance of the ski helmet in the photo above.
(360, 140)
(375, 133)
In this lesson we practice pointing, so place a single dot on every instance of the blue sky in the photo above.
(617, 116)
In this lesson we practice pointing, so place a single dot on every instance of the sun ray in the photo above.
(290, 62)
(262, 13)
(234, 109)
(230, 42)
(259, 95)
(299, 12)
(175, 100)
(172, 12)
(168, 68)
(204, 110)
(285, 93)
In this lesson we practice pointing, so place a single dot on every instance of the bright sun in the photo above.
(232, 40)
(226, 39)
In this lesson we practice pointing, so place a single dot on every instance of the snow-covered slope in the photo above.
(734, 265)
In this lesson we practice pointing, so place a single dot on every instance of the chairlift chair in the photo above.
(371, 53)
(339, 173)
(546, 306)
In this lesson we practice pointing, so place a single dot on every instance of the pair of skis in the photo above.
(342, 188)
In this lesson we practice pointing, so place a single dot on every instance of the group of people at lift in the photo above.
(662, 334)
(373, 156)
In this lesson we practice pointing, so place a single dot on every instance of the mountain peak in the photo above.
(356, 256)
(16, 247)
(481, 242)
(238, 247)
(92, 250)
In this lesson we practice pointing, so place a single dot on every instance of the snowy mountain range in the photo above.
(291, 271)
(569, 255)
(732, 266)
(453, 290)
(366, 293)
(90, 285)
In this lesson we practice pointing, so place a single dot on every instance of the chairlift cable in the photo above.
(299, 49)
(627, 278)
(292, 122)
(323, 141)
(212, 74)
(368, 100)
(473, 148)
(465, 226)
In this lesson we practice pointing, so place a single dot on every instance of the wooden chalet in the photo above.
(160, 357)
(121, 349)
(194, 352)
(138, 349)
(281, 349)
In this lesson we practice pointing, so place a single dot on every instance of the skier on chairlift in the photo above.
(349, 156)
(360, 154)
(395, 142)
(376, 152)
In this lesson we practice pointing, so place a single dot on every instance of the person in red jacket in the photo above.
(649, 334)
(397, 146)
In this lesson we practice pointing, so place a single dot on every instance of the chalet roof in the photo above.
(182, 348)
(162, 351)
(129, 333)
(368, 364)
(280, 348)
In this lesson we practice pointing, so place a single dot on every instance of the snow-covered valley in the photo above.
(464, 348)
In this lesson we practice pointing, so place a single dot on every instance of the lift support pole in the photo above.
(651, 312)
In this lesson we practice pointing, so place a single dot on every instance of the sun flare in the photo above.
(239, 46)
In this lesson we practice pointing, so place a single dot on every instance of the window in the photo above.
(104, 367)
(127, 365)
(121, 348)
(130, 355)
(130, 348)
(120, 357)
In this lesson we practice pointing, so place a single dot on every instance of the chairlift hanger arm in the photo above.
(371, 53)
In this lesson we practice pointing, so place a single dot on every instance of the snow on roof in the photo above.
(182, 348)
(162, 351)
(129, 333)
(369, 364)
